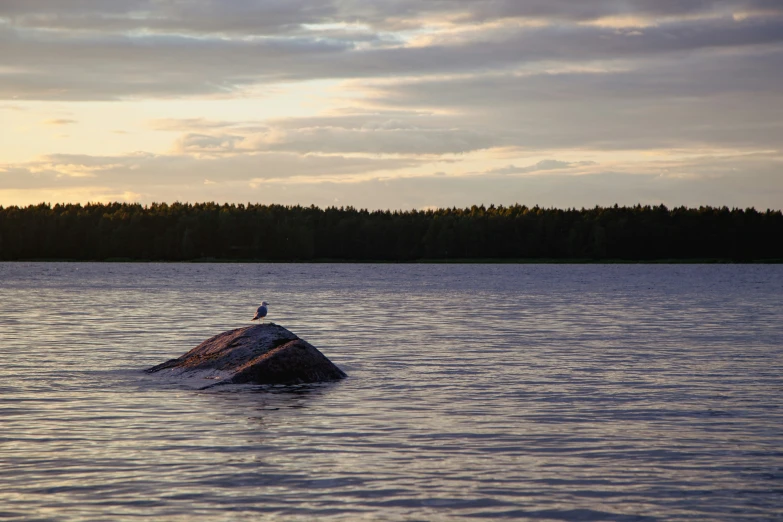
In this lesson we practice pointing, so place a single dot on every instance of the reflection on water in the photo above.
(475, 391)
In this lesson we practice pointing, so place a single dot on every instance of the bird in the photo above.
(261, 312)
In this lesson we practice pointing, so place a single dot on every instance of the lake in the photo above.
(540, 392)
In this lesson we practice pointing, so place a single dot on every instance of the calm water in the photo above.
(475, 391)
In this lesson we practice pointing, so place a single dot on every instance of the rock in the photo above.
(261, 354)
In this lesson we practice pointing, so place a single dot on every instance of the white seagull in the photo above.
(261, 312)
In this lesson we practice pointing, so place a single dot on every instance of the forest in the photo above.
(211, 231)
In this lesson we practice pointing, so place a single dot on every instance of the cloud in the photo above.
(47, 65)
(54, 66)
(280, 16)
(412, 86)
(56, 171)
(206, 144)
(379, 133)
(188, 124)
(418, 141)
(60, 121)
(753, 71)
(207, 16)
(543, 165)
(733, 180)
(729, 100)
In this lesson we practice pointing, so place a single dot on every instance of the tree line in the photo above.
(183, 231)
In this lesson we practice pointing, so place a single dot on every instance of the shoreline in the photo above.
(477, 261)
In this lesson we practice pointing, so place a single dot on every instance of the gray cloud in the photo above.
(74, 66)
(543, 165)
(381, 141)
(396, 132)
(149, 172)
(189, 124)
(698, 74)
(276, 16)
(60, 121)
(203, 143)
(702, 100)
(732, 100)
(49, 66)
(552, 10)
(734, 182)
(739, 180)
(210, 16)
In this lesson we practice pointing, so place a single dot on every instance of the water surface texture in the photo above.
(552, 392)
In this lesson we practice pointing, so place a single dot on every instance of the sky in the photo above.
(393, 104)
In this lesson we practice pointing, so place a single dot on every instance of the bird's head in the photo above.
(264, 303)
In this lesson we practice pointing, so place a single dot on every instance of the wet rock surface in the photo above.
(260, 354)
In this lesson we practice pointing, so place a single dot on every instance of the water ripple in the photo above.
(476, 391)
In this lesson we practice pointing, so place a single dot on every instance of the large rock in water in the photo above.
(261, 354)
